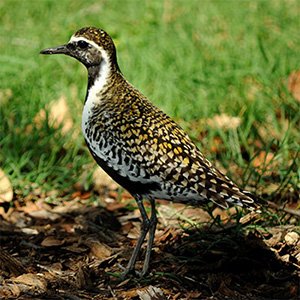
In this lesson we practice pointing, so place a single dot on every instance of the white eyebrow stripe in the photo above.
(81, 38)
(101, 50)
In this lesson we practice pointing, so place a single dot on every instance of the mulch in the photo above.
(73, 249)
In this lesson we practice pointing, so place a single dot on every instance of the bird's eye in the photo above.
(82, 44)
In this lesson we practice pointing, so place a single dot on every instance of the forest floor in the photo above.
(72, 249)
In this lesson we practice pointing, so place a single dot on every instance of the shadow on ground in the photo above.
(73, 252)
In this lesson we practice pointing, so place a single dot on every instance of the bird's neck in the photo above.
(101, 79)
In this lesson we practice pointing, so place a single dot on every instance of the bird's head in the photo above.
(89, 45)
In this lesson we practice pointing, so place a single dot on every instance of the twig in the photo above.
(112, 293)
(291, 211)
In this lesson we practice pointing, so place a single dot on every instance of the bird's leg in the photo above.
(152, 227)
(145, 229)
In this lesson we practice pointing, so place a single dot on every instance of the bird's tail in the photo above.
(252, 202)
(224, 193)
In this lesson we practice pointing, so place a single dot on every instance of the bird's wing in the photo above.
(171, 155)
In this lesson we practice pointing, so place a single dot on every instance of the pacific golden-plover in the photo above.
(138, 145)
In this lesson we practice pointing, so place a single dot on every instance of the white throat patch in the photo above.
(99, 83)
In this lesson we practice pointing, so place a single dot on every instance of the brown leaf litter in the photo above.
(72, 251)
(294, 84)
(59, 115)
(6, 190)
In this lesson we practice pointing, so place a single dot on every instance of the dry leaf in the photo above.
(265, 161)
(291, 238)
(115, 206)
(38, 120)
(75, 249)
(217, 145)
(15, 290)
(151, 293)
(32, 280)
(58, 114)
(224, 214)
(285, 258)
(43, 214)
(170, 214)
(294, 84)
(6, 190)
(225, 290)
(5, 95)
(12, 264)
(83, 278)
(2, 211)
(30, 231)
(51, 241)
(98, 249)
(224, 122)
(135, 231)
(274, 239)
(102, 180)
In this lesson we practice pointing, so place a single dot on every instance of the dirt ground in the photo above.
(72, 249)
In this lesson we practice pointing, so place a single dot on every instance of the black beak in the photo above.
(56, 50)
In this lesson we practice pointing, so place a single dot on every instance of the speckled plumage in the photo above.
(137, 144)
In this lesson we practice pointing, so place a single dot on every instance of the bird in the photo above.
(140, 146)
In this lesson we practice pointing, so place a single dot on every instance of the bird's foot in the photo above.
(131, 271)
(126, 272)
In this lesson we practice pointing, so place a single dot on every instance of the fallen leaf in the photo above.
(102, 180)
(2, 211)
(151, 292)
(223, 213)
(126, 227)
(169, 234)
(6, 190)
(274, 240)
(43, 214)
(291, 238)
(38, 120)
(115, 206)
(5, 95)
(170, 214)
(134, 232)
(225, 290)
(29, 231)
(194, 295)
(33, 280)
(15, 290)
(265, 161)
(294, 84)
(51, 241)
(217, 145)
(285, 258)
(76, 194)
(224, 122)
(75, 249)
(58, 114)
(98, 249)
(14, 265)
(83, 277)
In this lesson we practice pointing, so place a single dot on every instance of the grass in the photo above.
(194, 61)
